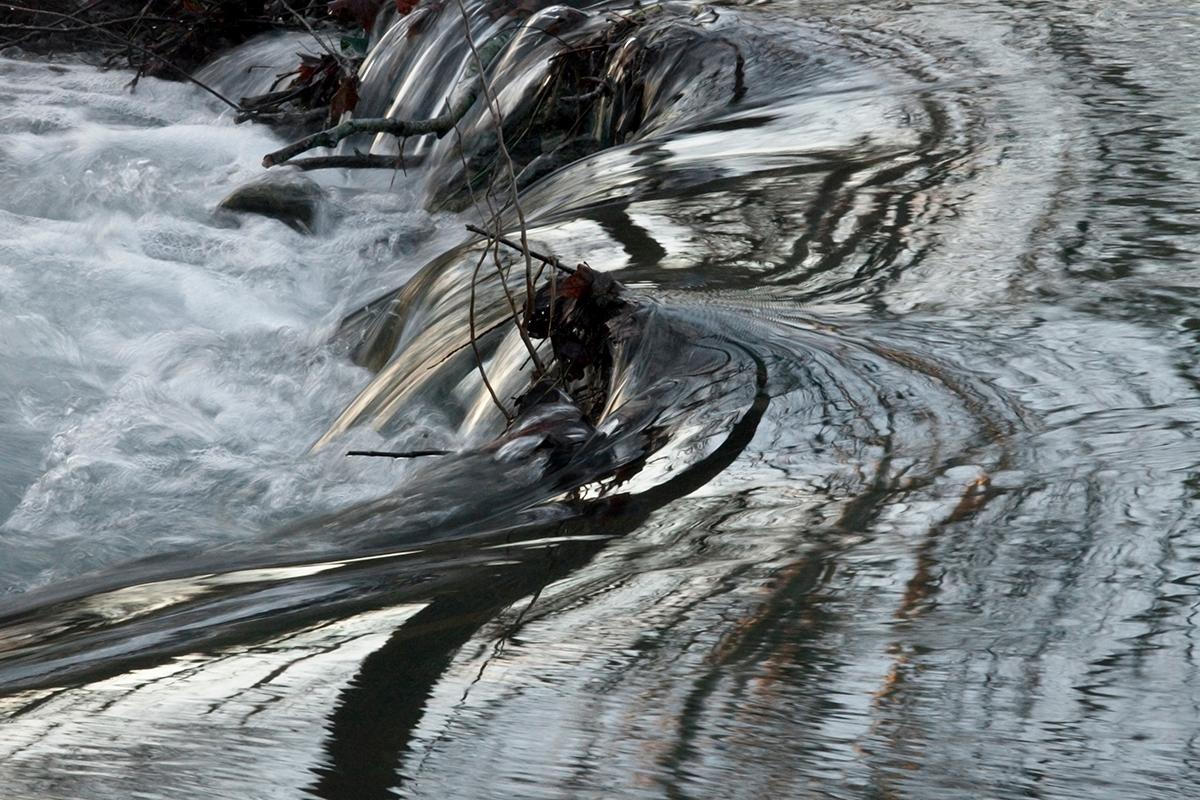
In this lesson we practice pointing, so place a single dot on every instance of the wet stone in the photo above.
(292, 199)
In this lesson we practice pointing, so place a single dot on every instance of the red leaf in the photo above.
(405, 6)
(578, 284)
(315, 71)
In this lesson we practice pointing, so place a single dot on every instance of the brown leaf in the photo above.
(345, 98)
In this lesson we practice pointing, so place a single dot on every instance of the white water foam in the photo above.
(163, 376)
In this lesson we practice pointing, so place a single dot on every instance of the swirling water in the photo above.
(915, 348)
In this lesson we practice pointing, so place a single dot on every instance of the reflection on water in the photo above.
(896, 495)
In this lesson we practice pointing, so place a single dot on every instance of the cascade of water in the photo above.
(893, 493)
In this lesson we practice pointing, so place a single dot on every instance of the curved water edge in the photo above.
(896, 496)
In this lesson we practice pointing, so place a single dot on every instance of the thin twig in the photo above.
(123, 40)
(545, 259)
(494, 107)
(515, 316)
(522, 330)
(399, 454)
(462, 157)
(475, 342)
(494, 247)
(328, 48)
(133, 29)
(83, 25)
(453, 352)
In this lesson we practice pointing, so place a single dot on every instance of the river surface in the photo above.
(895, 494)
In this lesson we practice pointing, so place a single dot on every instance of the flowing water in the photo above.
(895, 493)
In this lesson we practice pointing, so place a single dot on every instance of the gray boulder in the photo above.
(290, 198)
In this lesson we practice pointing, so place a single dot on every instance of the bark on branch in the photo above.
(356, 161)
(549, 260)
(397, 127)
(439, 125)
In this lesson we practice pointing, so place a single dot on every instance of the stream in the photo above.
(895, 492)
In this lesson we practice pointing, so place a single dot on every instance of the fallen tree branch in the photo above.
(439, 125)
(397, 127)
(356, 161)
(282, 117)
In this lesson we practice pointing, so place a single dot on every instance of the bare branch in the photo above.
(538, 366)
(545, 259)
(494, 107)
(399, 453)
(356, 161)
(128, 42)
(282, 117)
(439, 125)
(475, 342)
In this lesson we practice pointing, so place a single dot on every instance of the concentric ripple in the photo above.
(895, 493)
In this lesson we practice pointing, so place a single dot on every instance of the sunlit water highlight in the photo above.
(918, 332)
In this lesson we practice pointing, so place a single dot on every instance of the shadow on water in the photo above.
(373, 722)
(461, 589)
(934, 536)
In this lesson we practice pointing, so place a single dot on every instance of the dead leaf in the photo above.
(578, 284)
(345, 98)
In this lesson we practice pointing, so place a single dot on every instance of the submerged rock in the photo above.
(288, 197)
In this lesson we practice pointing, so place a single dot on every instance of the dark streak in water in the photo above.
(376, 713)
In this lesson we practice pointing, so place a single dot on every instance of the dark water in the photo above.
(906, 413)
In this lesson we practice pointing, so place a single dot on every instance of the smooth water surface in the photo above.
(903, 431)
